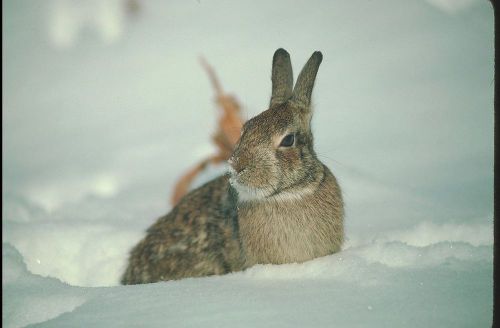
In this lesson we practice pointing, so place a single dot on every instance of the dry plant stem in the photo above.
(225, 138)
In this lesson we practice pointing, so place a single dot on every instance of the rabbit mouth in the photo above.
(247, 193)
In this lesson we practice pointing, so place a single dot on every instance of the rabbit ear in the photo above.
(305, 82)
(282, 77)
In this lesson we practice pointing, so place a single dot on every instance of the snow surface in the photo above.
(104, 108)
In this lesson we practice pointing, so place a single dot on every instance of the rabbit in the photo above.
(277, 204)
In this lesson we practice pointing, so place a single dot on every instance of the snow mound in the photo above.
(28, 298)
(428, 233)
(83, 253)
(348, 289)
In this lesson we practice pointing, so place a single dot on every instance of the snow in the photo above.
(356, 287)
(103, 109)
(29, 298)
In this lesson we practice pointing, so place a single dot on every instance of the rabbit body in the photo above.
(197, 238)
(278, 204)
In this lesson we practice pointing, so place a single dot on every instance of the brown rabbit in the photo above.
(278, 204)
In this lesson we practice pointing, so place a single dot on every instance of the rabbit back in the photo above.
(199, 237)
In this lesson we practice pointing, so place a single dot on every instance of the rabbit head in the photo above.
(274, 157)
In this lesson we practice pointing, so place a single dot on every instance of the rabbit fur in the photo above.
(278, 204)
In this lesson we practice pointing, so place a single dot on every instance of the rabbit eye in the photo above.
(288, 140)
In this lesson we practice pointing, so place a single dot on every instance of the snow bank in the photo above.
(79, 252)
(443, 284)
(400, 278)
(28, 298)
(427, 233)
(425, 276)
